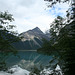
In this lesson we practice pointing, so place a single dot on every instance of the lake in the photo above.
(27, 59)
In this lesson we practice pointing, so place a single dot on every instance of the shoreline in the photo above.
(27, 50)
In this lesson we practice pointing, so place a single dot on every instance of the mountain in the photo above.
(34, 33)
(31, 39)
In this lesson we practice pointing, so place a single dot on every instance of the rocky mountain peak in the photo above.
(34, 33)
(37, 30)
(32, 39)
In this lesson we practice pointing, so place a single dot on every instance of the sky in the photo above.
(29, 14)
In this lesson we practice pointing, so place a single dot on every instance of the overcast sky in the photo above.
(29, 14)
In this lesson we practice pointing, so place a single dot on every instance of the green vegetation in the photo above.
(28, 44)
(35, 70)
(47, 48)
(63, 42)
(63, 38)
(7, 37)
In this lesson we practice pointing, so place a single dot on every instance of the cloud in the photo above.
(59, 9)
(30, 13)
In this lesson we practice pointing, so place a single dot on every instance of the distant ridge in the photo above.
(32, 39)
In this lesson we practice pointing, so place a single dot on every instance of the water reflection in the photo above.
(28, 59)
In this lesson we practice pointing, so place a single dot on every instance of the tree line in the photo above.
(62, 32)
(7, 37)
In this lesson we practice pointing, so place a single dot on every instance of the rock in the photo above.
(49, 71)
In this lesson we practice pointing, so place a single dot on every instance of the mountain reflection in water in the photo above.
(28, 59)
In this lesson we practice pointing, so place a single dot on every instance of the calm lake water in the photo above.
(27, 59)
